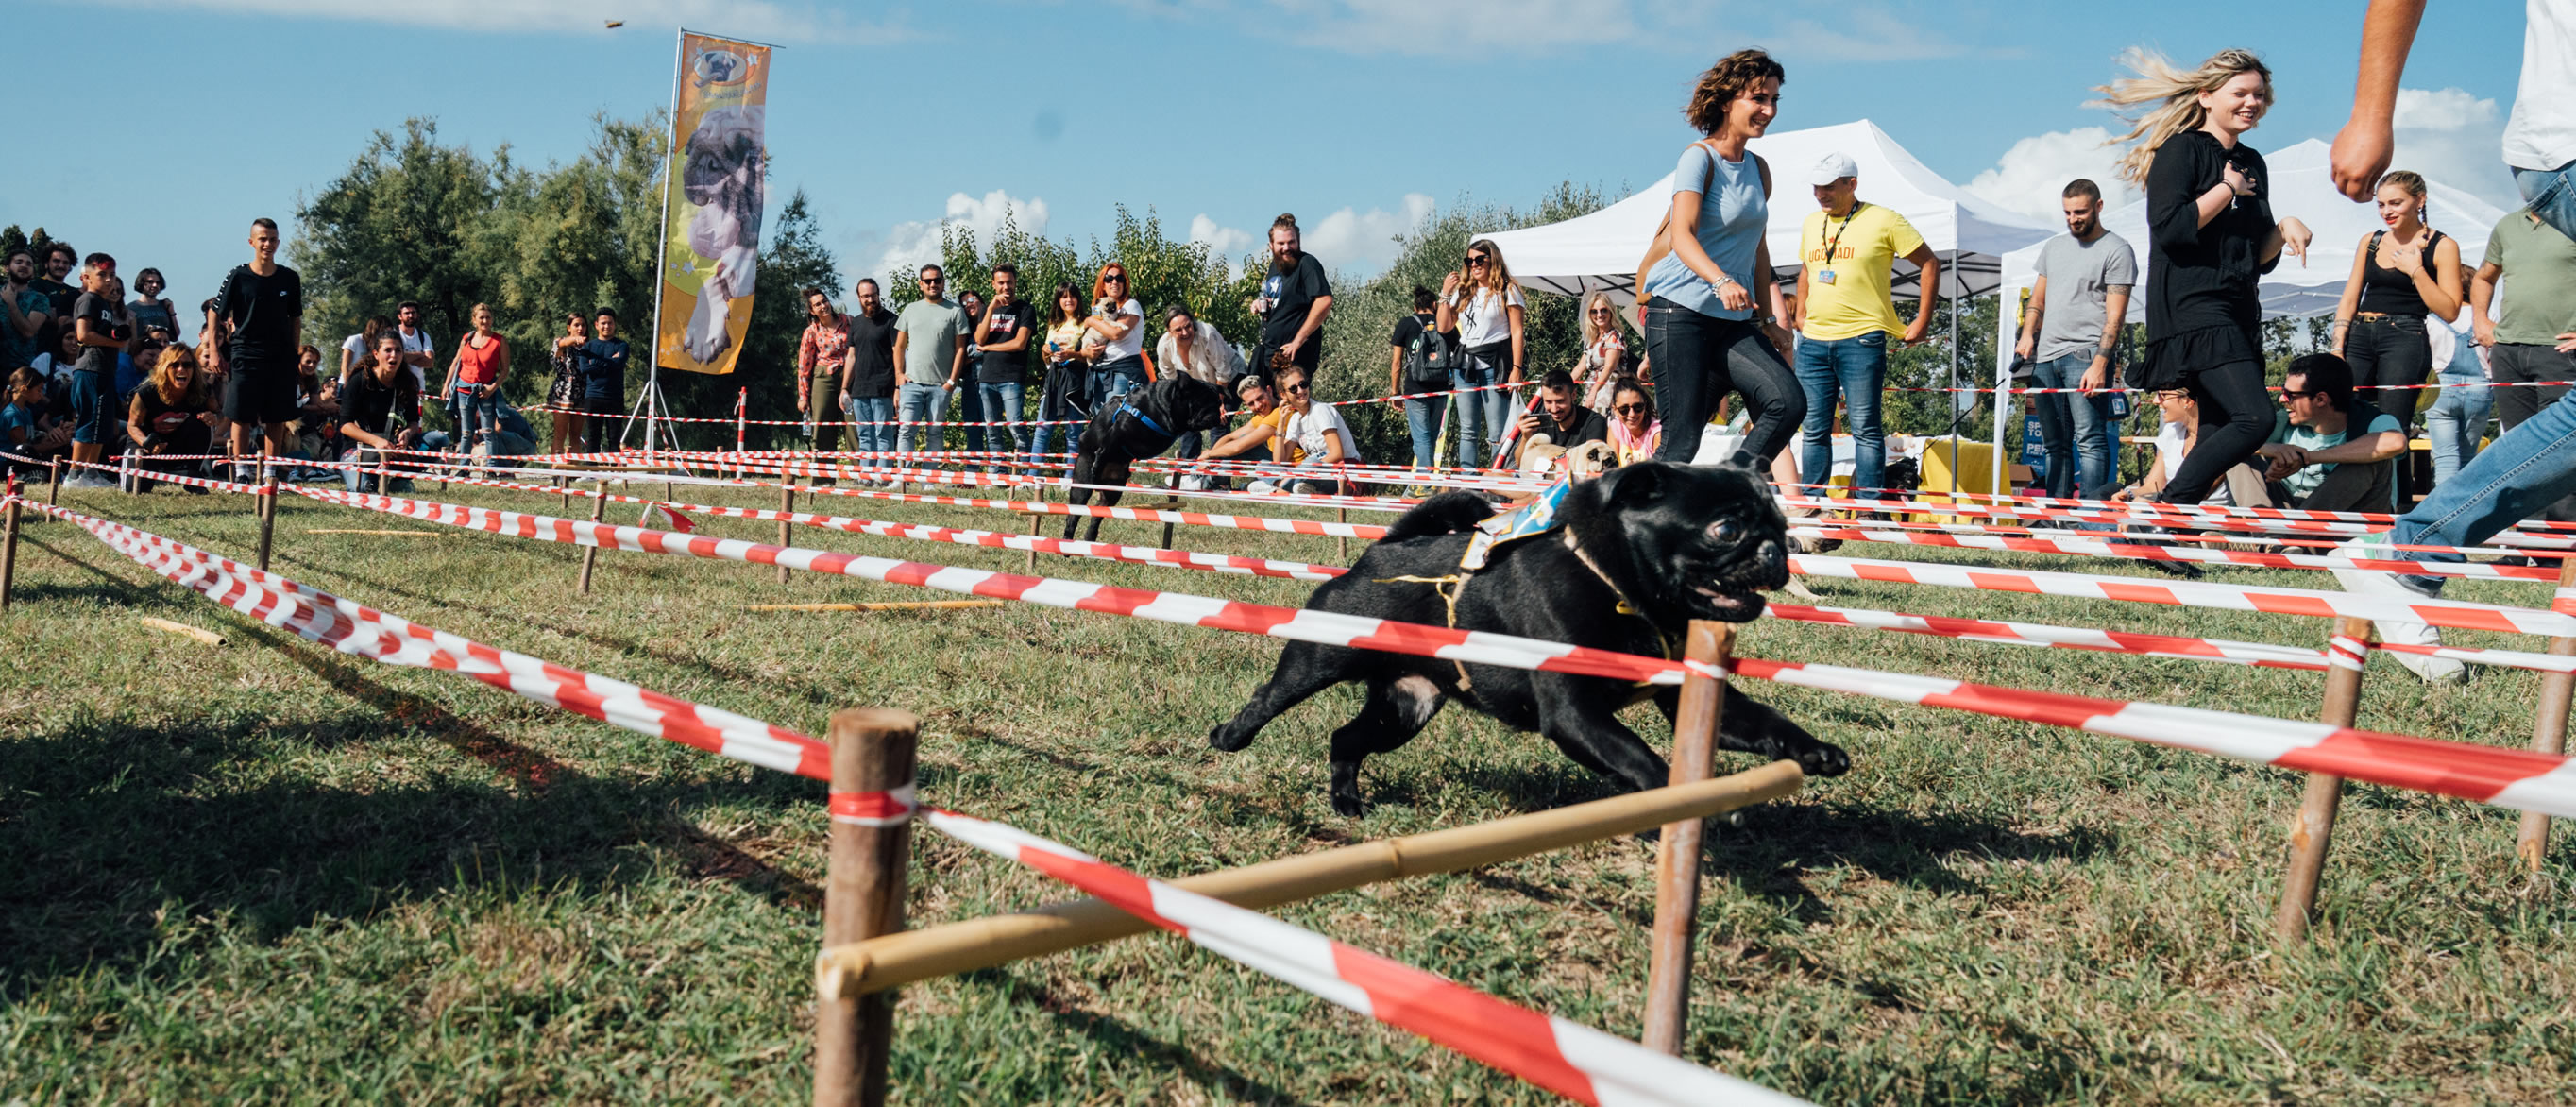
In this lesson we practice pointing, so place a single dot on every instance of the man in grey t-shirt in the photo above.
(930, 344)
(2068, 334)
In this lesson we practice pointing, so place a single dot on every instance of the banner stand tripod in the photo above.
(653, 410)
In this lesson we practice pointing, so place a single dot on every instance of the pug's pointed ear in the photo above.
(1632, 485)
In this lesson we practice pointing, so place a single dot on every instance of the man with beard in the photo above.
(419, 350)
(54, 283)
(1294, 300)
(2076, 310)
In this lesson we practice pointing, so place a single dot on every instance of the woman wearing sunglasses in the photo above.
(1120, 322)
(1634, 431)
(1605, 353)
(1479, 301)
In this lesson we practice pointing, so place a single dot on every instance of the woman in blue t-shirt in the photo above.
(1709, 305)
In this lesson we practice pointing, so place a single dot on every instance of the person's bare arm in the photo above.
(2439, 283)
(500, 365)
(2363, 450)
(1018, 341)
(1314, 322)
(1512, 312)
(1927, 288)
(27, 322)
(2482, 286)
(2350, 301)
(2362, 147)
(1394, 375)
(2115, 314)
(2028, 344)
(901, 340)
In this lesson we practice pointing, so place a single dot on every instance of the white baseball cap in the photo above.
(1832, 167)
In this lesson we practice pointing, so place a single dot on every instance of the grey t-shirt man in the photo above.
(2080, 274)
(931, 330)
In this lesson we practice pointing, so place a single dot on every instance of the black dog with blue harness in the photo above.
(1143, 423)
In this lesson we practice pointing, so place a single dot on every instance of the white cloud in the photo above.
(2031, 176)
(1364, 242)
(2456, 139)
(768, 20)
(1223, 243)
(909, 244)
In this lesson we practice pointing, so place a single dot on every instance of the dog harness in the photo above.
(1125, 408)
(1537, 517)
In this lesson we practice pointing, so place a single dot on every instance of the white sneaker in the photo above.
(2371, 582)
(1193, 484)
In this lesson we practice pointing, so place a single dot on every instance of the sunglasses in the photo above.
(1298, 388)
(1114, 278)
(934, 280)
(2292, 394)
(1629, 409)
(1476, 259)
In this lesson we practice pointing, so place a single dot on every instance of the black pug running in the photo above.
(1143, 423)
(1630, 558)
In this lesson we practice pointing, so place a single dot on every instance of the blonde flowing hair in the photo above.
(171, 393)
(1498, 276)
(2162, 101)
(1592, 330)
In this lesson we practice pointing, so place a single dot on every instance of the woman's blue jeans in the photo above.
(1477, 409)
(2456, 421)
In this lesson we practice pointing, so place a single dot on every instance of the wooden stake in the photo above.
(564, 481)
(267, 510)
(590, 554)
(981, 943)
(9, 547)
(906, 605)
(1677, 854)
(786, 502)
(2313, 830)
(54, 483)
(182, 629)
(872, 752)
(2549, 723)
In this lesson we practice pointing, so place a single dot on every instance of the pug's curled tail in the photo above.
(1446, 513)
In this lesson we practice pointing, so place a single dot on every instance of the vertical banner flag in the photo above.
(711, 204)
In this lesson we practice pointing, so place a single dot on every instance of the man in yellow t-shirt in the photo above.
(1847, 255)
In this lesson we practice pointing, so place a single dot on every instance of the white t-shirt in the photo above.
(2541, 134)
(418, 342)
(1484, 320)
(2170, 439)
(1133, 343)
(1306, 432)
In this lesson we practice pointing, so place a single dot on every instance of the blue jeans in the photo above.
(1000, 403)
(89, 407)
(1475, 411)
(1422, 417)
(2551, 195)
(2083, 438)
(478, 408)
(2515, 478)
(2456, 420)
(922, 404)
(1857, 369)
(872, 429)
(970, 411)
(1112, 380)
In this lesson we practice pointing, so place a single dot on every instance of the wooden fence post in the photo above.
(267, 510)
(863, 894)
(786, 503)
(2549, 724)
(1677, 854)
(9, 546)
(2313, 829)
(54, 483)
(590, 553)
(564, 481)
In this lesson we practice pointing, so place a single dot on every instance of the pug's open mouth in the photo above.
(1728, 603)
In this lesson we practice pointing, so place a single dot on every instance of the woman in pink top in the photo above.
(1634, 431)
(474, 378)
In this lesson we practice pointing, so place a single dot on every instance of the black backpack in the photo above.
(1429, 358)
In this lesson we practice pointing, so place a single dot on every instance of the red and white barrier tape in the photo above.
(2510, 778)
(2258, 654)
(348, 627)
(1568, 1058)
(2193, 593)
(2098, 547)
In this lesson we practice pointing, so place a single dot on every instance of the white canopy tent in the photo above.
(1599, 251)
(2302, 186)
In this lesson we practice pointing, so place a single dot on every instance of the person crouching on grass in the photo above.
(169, 415)
(377, 391)
(1311, 436)
(2328, 451)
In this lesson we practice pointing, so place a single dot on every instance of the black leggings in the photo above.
(2386, 352)
(1698, 359)
(2235, 418)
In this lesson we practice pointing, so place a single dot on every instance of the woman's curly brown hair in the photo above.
(1724, 82)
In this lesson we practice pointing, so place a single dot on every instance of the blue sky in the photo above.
(1218, 114)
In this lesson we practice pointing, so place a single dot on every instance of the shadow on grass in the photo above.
(1777, 843)
(110, 828)
(1117, 1037)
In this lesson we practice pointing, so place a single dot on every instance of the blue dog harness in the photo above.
(1125, 408)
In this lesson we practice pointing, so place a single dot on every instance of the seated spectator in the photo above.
(380, 393)
(2177, 434)
(1311, 436)
(1634, 431)
(1560, 420)
(2319, 460)
(26, 426)
(168, 416)
(1261, 424)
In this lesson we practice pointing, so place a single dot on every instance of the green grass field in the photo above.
(267, 872)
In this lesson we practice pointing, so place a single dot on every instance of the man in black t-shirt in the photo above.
(1294, 300)
(867, 390)
(1565, 422)
(99, 329)
(1002, 365)
(259, 320)
(54, 270)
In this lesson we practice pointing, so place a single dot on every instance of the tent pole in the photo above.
(1952, 397)
(2004, 338)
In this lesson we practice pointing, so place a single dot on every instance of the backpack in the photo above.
(1428, 359)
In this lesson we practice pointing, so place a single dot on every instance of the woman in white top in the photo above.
(1605, 353)
(1481, 303)
(1311, 435)
(1120, 322)
(1193, 348)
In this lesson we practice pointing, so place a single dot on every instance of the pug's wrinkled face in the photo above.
(1702, 542)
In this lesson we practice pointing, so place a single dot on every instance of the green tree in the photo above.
(408, 220)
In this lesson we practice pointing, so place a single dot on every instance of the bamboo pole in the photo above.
(906, 605)
(267, 510)
(2549, 723)
(590, 554)
(998, 939)
(9, 545)
(786, 502)
(387, 533)
(1677, 853)
(2313, 830)
(872, 751)
(183, 630)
